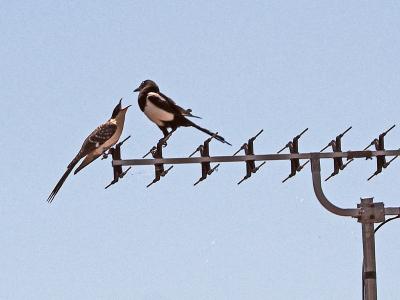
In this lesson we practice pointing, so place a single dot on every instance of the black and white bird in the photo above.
(96, 144)
(165, 113)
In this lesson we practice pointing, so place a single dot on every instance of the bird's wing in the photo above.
(179, 110)
(163, 103)
(98, 137)
(167, 98)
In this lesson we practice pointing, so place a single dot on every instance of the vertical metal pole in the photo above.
(369, 264)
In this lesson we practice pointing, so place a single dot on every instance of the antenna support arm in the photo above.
(319, 193)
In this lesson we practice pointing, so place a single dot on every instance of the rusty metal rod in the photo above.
(262, 157)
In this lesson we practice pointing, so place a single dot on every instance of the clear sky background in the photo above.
(277, 65)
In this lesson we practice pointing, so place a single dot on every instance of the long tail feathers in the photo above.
(59, 185)
(189, 114)
(193, 116)
(63, 178)
(217, 137)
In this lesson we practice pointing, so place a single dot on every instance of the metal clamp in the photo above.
(371, 212)
(250, 164)
(336, 145)
(379, 144)
(293, 146)
(156, 152)
(204, 150)
(115, 152)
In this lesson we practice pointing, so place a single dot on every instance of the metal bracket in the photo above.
(293, 146)
(156, 152)
(250, 164)
(371, 212)
(367, 213)
(319, 193)
(379, 144)
(206, 169)
(115, 152)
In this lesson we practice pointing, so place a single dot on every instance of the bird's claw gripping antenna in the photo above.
(379, 144)
(293, 146)
(204, 150)
(115, 153)
(248, 149)
(156, 152)
(109, 152)
(164, 139)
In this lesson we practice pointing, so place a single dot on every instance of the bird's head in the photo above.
(118, 109)
(148, 85)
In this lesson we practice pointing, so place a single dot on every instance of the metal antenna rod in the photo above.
(381, 135)
(257, 157)
(369, 261)
(367, 212)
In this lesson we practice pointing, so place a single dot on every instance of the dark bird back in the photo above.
(165, 113)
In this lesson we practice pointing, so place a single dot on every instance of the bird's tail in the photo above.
(63, 178)
(189, 114)
(88, 159)
(216, 136)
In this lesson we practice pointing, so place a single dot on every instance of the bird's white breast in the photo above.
(156, 114)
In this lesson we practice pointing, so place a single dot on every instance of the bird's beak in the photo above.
(136, 90)
(127, 107)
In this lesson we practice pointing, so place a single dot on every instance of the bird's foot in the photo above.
(163, 142)
(106, 154)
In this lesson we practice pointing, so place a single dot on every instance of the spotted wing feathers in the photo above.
(98, 137)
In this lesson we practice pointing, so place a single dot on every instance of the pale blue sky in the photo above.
(277, 65)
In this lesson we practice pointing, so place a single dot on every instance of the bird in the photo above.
(165, 113)
(96, 144)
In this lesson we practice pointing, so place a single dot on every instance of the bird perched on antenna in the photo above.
(98, 142)
(165, 113)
